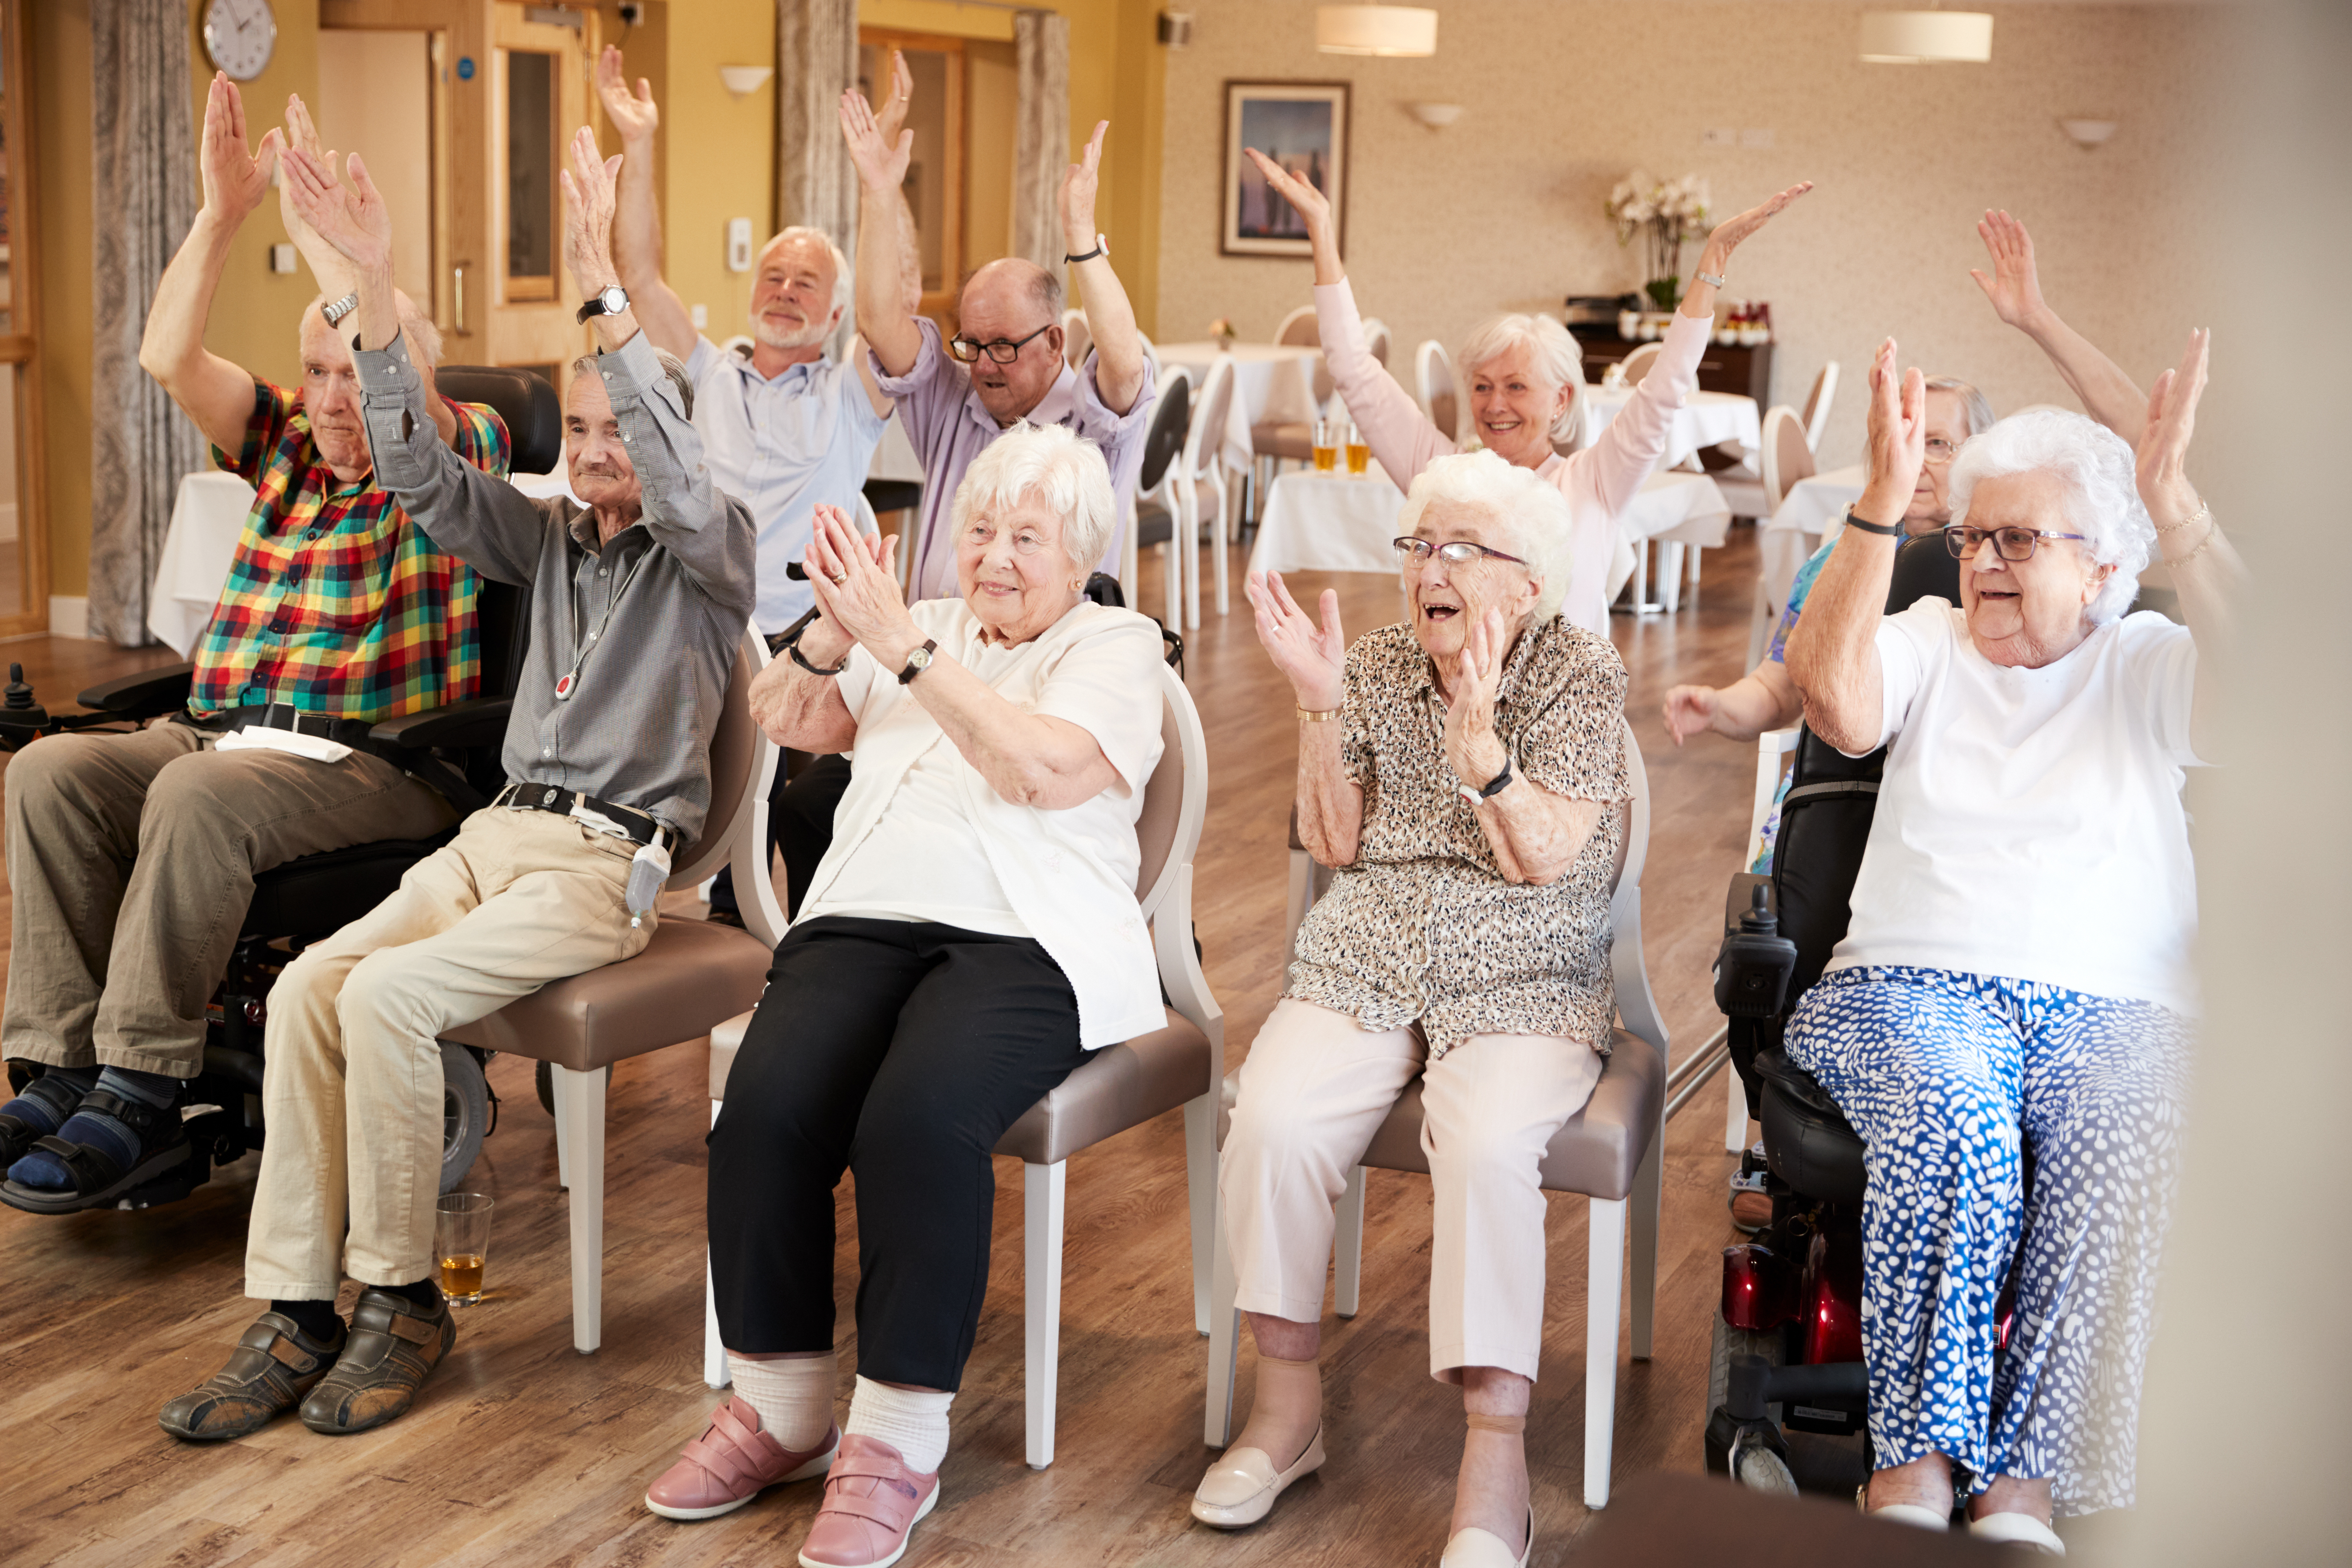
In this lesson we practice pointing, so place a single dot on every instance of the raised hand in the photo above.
(302, 136)
(891, 118)
(1315, 660)
(588, 213)
(632, 114)
(1729, 235)
(2164, 487)
(2014, 288)
(881, 161)
(1079, 184)
(1897, 443)
(351, 218)
(1472, 748)
(855, 589)
(1313, 205)
(1690, 710)
(234, 179)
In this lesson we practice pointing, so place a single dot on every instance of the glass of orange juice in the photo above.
(1326, 445)
(1359, 451)
(461, 1239)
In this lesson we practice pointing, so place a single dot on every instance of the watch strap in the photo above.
(334, 310)
(596, 306)
(919, 661)
(1499, 782)
(1710, 279)
(1102, 248)
(1884, 530)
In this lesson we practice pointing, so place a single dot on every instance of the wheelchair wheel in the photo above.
(465, 1112)
(1752, 1464)
(543, 1081)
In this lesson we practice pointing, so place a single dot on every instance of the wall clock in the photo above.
(239, 36)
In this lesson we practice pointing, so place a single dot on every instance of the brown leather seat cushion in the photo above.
(1277, 438)
(1595, 1152)
(690, 978)
(1119, 1086)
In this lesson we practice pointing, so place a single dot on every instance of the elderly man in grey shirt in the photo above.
(638, 605)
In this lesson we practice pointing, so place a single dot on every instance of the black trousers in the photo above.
(800, 823)
(899, 1051)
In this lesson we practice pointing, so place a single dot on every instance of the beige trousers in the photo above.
(131, 862)
(350, 1088)
(1314, 1091)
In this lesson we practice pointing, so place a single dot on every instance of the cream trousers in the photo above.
(350, 1088)
(1314, 1090)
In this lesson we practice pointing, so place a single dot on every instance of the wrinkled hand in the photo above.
(2014, 288)
(351, 218)
(2162, 458)
(588, 203)
(1472, 749)
(881, 161)
(1729, 235)
(1315, 660)
(891, 118)
(1896, 444)
(1690, 710)
(632, 114)
(234, 179)
(302, 136)
(1313, 205)
(854, 587)
(1079, 184)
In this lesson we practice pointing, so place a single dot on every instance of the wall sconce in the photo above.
(1175, 28)
(1436, 116)
(2090, 135)
(745, 80)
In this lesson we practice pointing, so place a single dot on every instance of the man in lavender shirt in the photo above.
(1006, 365)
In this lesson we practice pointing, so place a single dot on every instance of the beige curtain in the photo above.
(1041, 150)
(816, 62)
(144, 190)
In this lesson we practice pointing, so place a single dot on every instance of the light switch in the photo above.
(701, 314)
(739, 245)
(1756, 138)
(282, 258)
(1718, 136)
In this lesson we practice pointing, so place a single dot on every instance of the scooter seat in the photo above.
(1807, 1141)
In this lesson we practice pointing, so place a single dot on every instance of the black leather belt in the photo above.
(640, 826)
(351, 732)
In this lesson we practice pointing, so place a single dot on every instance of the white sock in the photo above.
(914, 1423)
(793, 1395)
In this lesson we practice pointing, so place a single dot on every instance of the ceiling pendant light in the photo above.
(1926, 37)
(1392, 32)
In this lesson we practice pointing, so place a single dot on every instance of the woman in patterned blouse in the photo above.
(1459, 771)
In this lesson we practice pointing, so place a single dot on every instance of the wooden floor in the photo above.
(521, 1451)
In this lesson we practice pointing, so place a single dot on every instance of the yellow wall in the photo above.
(719, 152)
(58, 52)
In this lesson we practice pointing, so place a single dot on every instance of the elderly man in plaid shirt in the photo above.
(131, 857)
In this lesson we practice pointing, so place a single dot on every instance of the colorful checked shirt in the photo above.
(335, 602)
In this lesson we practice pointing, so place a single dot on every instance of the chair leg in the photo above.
(1171, 587)
(1347, 1247)
(1302, 898)
(1225, 597)
(1201, 1189)
(1043, 1189)
(580, 1118)
(1604, 1278)
(1735, 1110)
(714, 1354)
(1649, 1183)
(1190, 531)
(1224, 1338)
(1670, 575)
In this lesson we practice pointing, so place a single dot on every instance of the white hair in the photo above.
(1533, 513)
(416, 329)
(1979, 409)
(844, 284)
(2103, 501)
(672, 367)
(1558, 358)
(1057, 467)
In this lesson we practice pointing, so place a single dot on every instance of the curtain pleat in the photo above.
(1041, 148)
(816, 62)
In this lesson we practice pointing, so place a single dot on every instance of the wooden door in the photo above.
(935, 176)
(24, 509)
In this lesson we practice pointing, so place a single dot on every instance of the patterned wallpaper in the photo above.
(1503, 209)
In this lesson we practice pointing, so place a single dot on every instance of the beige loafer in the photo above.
(1476, 1548)
(1240, 1487)
(2017, 1530)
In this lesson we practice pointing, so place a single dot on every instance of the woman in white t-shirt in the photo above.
(970, 936)
(2017, 969)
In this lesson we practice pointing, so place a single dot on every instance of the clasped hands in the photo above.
(859, 598)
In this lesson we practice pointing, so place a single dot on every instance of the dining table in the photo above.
(1814, 508)
(1706, 419)
(1271, 382)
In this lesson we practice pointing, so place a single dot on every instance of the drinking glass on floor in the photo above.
(461, 1238)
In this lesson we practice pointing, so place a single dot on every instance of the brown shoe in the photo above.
(394, 1344)
(267, 1374)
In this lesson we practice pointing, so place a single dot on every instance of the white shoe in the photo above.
(1476, 1548)
(1916, 1515)
(2017, 1530)
(1240, 1487)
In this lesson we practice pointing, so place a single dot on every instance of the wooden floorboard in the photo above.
(522, 1451)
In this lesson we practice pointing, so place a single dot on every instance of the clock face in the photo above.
(239, 36)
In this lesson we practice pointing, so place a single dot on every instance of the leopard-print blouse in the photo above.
(1423, 925)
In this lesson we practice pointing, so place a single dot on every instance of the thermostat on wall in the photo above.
(739, 245)
(281, 257)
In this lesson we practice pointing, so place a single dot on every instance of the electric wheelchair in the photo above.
(1788, 1395)
(456, 748)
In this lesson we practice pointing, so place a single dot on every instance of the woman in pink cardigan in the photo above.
(1523, 373)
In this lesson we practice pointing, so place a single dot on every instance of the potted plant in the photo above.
(1666, 215)
(1221, 332)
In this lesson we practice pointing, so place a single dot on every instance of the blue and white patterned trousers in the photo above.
(1939, 1072)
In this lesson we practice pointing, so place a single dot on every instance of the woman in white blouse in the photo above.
(2018, 970)
(973, 934)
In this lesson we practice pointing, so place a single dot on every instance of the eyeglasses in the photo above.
(1457, 552)
(2014, 544)
(1003, 351)
(1940, 451)
(1028, 541)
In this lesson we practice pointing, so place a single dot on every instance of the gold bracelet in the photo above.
(2202, 544)
(1322, 715)
(2204, 509)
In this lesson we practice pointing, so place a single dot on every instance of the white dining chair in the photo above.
(1436, 389)
(1297, 327)
(1077, 338)
(1816, 413)
(1638, 363)
(1785, 458)
(1201, 470)
(1376, 340)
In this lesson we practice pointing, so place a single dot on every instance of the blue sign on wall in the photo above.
(464, 67)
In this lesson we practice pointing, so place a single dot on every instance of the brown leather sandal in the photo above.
(268, 1372)
(393, 1344)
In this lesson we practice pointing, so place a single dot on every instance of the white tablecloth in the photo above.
(1271, 380)
(199, 543)
(1706, 419)
(1812, 508)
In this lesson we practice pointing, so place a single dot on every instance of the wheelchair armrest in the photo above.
(1741, 896)
(480, 721)
(143, 696)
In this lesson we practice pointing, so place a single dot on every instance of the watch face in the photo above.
(921, 659)
(239, 36)
(616, 299)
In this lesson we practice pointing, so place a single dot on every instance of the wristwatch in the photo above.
(609, 301)
(1884, 530)
(919, 661)
(334, 310)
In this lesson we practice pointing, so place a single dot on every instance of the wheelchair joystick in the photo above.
(1751, 974)
(17, 708)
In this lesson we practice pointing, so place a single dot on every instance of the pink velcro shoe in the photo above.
(731, 1463)
(871, 1503)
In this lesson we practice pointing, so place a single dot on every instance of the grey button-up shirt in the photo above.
(647, 623)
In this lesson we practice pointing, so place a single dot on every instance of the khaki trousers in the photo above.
(351, 1085)
(1314, 1091)
(131, 862)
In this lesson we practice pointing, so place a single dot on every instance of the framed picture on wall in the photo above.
(1301, 125)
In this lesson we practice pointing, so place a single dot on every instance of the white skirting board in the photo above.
(68, 615)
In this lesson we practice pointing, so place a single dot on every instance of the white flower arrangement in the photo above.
(1667, 213)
